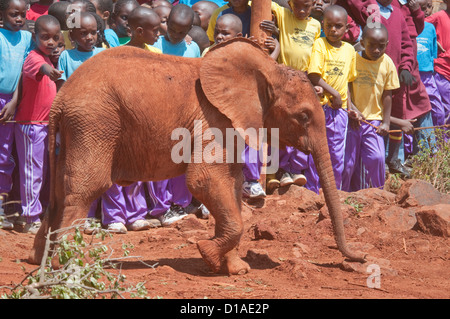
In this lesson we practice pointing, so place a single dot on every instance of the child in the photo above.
(60, 47)
(426, 53)
(200, 37)
(297, 32)
(104, 9)
(204, 10)
(85, 38)
(228, 26)
(371, 100)
(38, 9)
(441, 21)
(179, 23)
(171, 199)
(119, 19)
(332, 66)
(163, 12)
(236, 7)
(38, 92)
(15, 44)
(144, 27)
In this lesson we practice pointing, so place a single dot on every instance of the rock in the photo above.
(262, 231)
(346, 211)
(397, 218)
(416, 192)
(260, 259)
(422, 245)
(373, 264)
(190, 222)
(303, 198)
(434, 220)
(297, 268)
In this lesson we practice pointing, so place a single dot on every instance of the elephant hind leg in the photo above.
(218, 187)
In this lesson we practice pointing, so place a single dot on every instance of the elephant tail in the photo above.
(53, 147)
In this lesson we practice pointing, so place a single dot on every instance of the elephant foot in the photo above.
(210, 253)
(234, 265)
(37, 252)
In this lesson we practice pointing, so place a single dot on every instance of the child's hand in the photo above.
(7, 113)
(319, 90)
(407, 126)
(383, 129)
(270, 43)
(270, 26)
(407, 78)
(413, 5)
(55, 74)
(440, 47)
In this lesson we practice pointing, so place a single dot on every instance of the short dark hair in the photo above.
(379, 26)
(105, 5)
(58, 10)
(45, 20)
(4, 4)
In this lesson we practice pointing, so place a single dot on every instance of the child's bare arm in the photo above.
(274, 47)
(270, 26)
(50, 71)
(386, 98)
(8, 111)
(316, 80)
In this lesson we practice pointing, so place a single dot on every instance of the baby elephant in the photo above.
(117, 128)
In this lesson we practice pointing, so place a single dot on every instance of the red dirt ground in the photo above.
(290, 248)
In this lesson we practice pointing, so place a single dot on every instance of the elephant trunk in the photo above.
(322, 161)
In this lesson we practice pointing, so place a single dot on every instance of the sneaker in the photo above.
(173, 214)
(396, 167)
(253, 190)
(299, 179)
(272, 183)
(286, 179)
(91, 225)
(117, 228)
(140, 224)
(4, 222)
(32, 228)
(200, 211)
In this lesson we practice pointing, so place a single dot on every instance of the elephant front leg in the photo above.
(220, 191)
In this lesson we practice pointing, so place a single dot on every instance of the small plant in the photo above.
(82, 274)
(433, 164)
(354, 203)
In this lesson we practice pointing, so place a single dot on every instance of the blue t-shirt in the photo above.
(180, 49)
(70, 60)
(112, 38)
(192, 2)
(245, 19)
(427, 48)
(14, 48)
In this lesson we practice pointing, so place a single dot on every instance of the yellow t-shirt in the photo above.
(152, 49)
(296, 37)
(336, 66)
(67, 41)
(373, 78)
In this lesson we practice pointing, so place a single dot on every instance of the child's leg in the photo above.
(351, 158)
(252, 164)
(437, 108)
(336, 125)
(6, 145)
(136, 205)
(443, 85)
(31, 144)
(180, 193)
(372, 157)
(160, 197)
(424, 138)
(113, 206)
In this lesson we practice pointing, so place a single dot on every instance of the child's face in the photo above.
(203, 12)
(86, 36)
(177, 29)
(224, 31)
(426, 6)
(238, 3)
(121, 19)
(15, 15)
(374, 42)
(319, 7)
(301, 8)
(150, 32)
(47, 38)
(334, 26)
(60, 47)
(163, 13)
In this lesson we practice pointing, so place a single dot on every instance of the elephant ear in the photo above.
(234, 76)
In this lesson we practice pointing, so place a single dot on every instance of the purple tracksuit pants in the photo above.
(167, 192)
(6, 144)
(32, 152)
(252, 164)
(364, 159)
(437, 107)
(122, 204)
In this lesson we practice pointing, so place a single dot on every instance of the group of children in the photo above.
(390, 81)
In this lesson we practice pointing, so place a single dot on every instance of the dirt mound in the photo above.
(289, 244)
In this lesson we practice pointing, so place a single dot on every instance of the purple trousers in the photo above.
(32, 152)
(252, 164)
(364, 159)
(437, 107)
(167, 192)
(443, 86)
(292, 160)
(336, 122)
(122, 204)
(6, 144)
